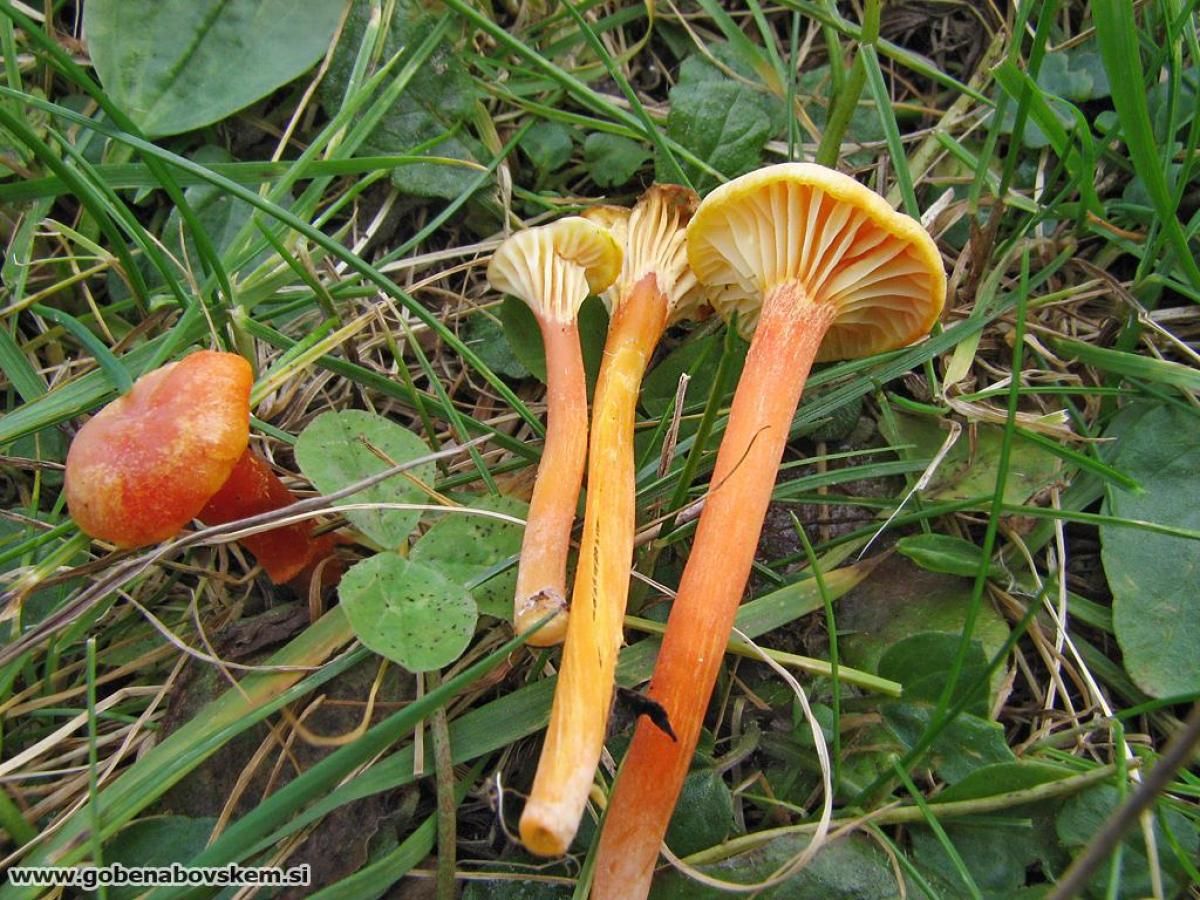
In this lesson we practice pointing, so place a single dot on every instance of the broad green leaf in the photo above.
(485, 335)
(431, 112)
(521, 330)
(1153, 577)
(696, 358)
(900, 600)
(946, 554)
(703, 815)
(611, 160)
(1084, 814)
(465, 548)
(156, 841)
(175, 65)
(548, 146)
(968, 743)
(723, 120)
(1076, 74)
(995, 855)
(970, 468)
(920, 662)
(407, 612)
(851, 868)
(339, 448)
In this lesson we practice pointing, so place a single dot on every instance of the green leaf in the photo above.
(1153, 577)
(1084, 814)
(335, 450)
(407, 612)
(920, 661)
(724, 120)
(696, 358)
(851, 868)
(485, 335)
(970, 468)
(611, 160)
(995, 855)
(946, 554)
(1076, 74)
(967, 744)
(548, 146)
(175, 65)
(430, 113)
(900, 600)
(703, 815)
(466, 548)
(156, 841)
(525, 338)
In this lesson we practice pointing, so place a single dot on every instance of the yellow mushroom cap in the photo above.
(653, 236)
(841, 241)
(554, 267)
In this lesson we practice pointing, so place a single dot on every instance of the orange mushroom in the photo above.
(553, 268)
(817, 267)
(174, 449)
(655, 285)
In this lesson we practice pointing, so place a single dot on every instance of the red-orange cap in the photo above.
(144, 466)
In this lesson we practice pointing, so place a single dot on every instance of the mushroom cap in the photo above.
(145, 465)
(653, 235)
(554, 267)
(799, 222)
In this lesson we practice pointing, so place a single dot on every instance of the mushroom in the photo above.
(553, 268)
(289, 554)
(175, 448)
(816, 266)
(655, 286)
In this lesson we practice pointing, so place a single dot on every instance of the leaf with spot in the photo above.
(407, 611)
(339, 448)
(476, 552)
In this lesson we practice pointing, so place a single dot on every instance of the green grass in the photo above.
(334, 257)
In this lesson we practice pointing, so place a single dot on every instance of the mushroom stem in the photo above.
(579, 715)
(542, 571)
(288, 553)
(781, 353)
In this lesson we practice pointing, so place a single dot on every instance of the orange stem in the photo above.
(701, 619)
(579, 715)
(542, 572)
(287, 553)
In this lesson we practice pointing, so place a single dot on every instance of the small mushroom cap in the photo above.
(145, 465)
(653, 235)
(554, 267)
(841, 241)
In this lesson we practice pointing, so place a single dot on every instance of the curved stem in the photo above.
(542, 572)
(781, 353)
(583, 696)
